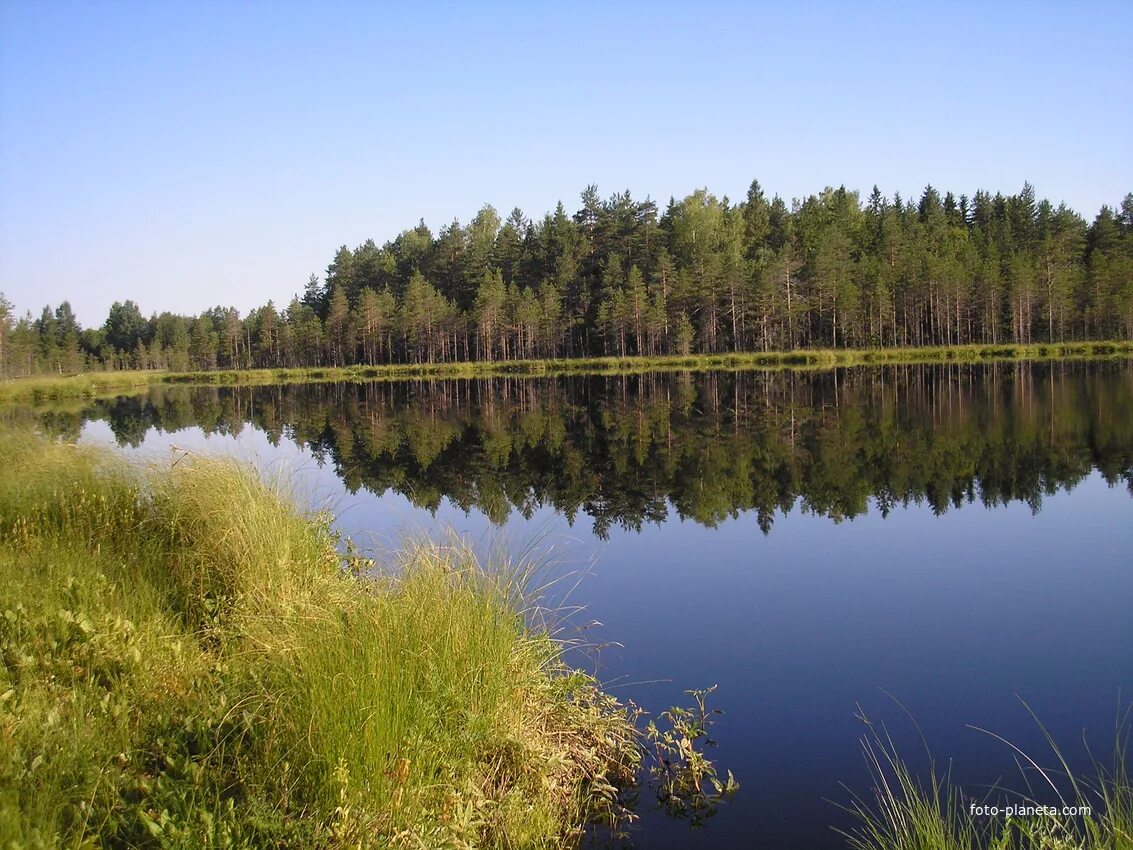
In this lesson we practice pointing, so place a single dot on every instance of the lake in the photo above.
(946, 544)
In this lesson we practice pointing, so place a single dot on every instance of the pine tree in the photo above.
(6, 313)
(488, 313)
(338, 328)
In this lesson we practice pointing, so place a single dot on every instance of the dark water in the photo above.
(818, 545)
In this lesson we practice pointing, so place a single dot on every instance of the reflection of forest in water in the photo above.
(628, 450)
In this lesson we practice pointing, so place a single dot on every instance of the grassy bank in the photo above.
(94, 385)
(188, 662)
(87, 385)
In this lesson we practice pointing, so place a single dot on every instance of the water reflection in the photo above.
(629, 450)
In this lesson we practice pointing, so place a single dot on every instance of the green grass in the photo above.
(908, 812)
(189, 662)
(97, 384)
(49, 388)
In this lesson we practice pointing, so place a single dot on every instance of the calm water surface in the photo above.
(959, 538)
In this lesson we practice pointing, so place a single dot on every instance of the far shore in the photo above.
(46, 388)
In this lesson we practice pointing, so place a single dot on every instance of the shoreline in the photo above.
(37, 389)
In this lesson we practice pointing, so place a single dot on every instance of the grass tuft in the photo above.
(907, 812)
(189, 661)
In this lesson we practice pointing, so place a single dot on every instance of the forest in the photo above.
(622, 277)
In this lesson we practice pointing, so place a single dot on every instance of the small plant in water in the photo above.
(687, 782)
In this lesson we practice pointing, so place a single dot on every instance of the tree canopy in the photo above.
(622, 276)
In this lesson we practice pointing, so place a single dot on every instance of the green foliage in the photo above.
(188, 662)
(687, 782)
(826, 272)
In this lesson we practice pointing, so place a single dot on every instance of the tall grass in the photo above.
(88, 385)
(911, 812)
(188, 661)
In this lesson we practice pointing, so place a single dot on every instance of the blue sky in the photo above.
(201, 153)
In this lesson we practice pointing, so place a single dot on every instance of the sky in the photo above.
(194, 154)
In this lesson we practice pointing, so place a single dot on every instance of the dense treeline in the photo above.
(629, 450)
(620, 277)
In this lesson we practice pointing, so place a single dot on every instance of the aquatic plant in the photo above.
(687, 782)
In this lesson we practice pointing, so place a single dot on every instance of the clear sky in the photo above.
(199, 153)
